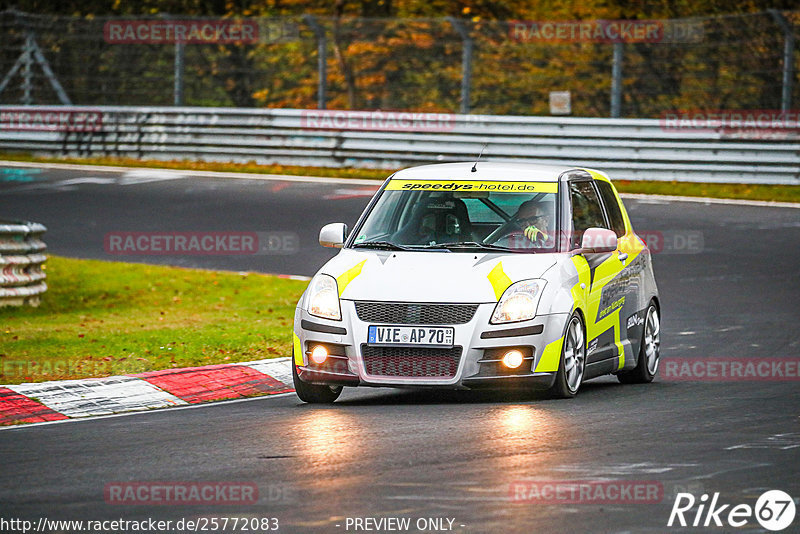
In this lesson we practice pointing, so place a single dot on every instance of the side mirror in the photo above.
(333, 235)
(597, 240)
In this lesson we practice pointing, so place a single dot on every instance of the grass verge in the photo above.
(775, 193)
(103, 318)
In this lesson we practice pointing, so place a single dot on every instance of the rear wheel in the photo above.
(649, 351)
(313, 393)
(573, 360)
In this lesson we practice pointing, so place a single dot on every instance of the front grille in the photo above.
(411, 362)
(413, 313)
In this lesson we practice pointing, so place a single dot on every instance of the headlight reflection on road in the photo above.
(327, 439)
(526, 438)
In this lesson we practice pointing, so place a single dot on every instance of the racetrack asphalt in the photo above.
(728, 281)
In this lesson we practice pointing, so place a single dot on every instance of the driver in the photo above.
(535, 220)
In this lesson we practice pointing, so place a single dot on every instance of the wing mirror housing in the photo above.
(597, 240)
(333, 235)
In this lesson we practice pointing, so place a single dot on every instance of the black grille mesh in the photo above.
(411, 361)
(412, 313)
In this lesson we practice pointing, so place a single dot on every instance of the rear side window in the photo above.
(586, 210)
(612, 207)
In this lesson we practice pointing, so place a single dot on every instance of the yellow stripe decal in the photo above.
(472, 185)
(551, 357)
(499, 280)
(348, 276)
(298, 350)
(588, 300)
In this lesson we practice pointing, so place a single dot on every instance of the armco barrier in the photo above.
(21, 260)
(628, 149)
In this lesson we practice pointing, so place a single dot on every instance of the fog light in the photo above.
(513, 359)
(319, 354)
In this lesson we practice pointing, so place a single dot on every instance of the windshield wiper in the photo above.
(384, 245)
(474, 244)
(388, 245)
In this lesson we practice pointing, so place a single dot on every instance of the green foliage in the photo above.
(405, 54)
(108, 318)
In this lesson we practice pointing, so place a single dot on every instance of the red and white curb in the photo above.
(66, 399)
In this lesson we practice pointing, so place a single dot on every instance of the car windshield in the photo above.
(462, 215)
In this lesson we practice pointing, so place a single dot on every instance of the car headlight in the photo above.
(519, 302)
(323, 298)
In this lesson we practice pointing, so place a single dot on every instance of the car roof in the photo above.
(486, 171)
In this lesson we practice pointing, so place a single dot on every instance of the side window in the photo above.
(586, 210)
(612, 207)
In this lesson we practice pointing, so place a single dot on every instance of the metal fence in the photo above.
(633, 149)
(21, 260)
(610, 68)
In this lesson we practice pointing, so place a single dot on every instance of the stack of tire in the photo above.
(22, 277)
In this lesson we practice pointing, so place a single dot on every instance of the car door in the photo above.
(630, 282)
(603, 298)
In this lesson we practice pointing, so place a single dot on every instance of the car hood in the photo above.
(431, 276)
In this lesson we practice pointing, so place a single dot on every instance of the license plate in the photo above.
(417, 336)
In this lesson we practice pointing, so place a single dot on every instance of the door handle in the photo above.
(623, 256)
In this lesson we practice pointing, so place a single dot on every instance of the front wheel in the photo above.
(649, 351)
(313, 393)
(573, 360)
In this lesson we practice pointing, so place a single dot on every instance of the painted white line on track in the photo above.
(357, 181)
(183, 173)
(708, 200)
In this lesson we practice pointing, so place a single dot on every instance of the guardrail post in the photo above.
(37, 54)
(788, 59)
(180, 56)
(616, 81)
(322, 60)
(21, 259)
(31, 53)
(466, 63)
(27, 71)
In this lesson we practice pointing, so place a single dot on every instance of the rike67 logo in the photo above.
(774, 511)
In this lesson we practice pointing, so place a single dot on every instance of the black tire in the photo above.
(561, 388)
(646, 368)
(313, 393)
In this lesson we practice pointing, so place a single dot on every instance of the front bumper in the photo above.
(479, 345)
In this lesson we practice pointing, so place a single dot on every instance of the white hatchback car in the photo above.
(486, 275)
